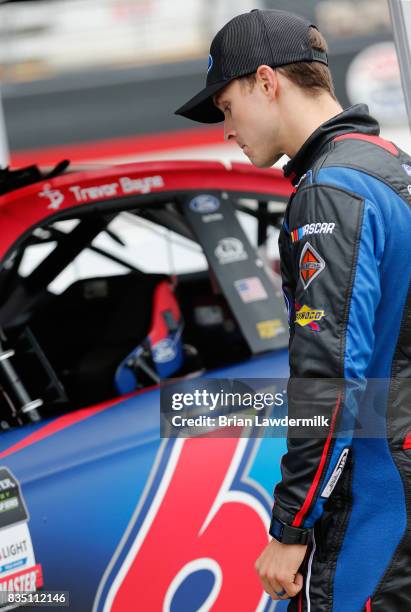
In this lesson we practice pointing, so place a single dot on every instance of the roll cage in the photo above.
(27, 345)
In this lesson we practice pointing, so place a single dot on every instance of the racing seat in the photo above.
(104, 320)
(160, 354)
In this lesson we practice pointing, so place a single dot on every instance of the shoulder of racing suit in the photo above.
(342, 226)
(358, 163)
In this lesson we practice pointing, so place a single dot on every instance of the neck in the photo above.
(316, 112)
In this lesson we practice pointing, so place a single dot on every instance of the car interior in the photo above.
(105, 336)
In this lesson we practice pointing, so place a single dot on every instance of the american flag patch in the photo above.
(251, 289)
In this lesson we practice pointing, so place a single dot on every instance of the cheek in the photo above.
(262, 134)
(246, 128)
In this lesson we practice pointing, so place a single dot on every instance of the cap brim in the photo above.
(201, 108)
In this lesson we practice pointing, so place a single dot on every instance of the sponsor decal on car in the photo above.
(250, 289)
(18, 568)
(230, 250)
(204, 203)
(164, 351)
(212, 217)
(203, 572)
(16, 549)
(321, 227)
(12, 506)
(407, 169)
(308, 317)
(28, 580)
(270, 329)
(311, 265)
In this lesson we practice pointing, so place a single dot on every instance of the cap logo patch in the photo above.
(210, 63)
(311, 265)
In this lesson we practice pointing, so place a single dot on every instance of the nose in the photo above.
(229, 131)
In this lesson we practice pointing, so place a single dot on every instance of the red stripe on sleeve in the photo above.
(304, 508)
(385, 144)
(407, 441)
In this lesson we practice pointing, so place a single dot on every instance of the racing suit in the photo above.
(345, 251)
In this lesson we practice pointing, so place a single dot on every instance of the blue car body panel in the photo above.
(83, 483)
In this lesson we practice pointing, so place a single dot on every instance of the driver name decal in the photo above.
(141, 185)
(124, 186)
(87, 194)
(92, 193)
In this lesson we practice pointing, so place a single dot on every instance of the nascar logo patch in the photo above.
(311, 228)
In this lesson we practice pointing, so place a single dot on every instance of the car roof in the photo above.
(24, 208)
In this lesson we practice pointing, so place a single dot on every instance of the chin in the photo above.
(259, 163)
(255, 161)
(273, 160)
(264, 162)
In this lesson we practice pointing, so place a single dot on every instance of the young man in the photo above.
(341, 517)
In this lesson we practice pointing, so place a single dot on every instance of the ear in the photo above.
(267, 80)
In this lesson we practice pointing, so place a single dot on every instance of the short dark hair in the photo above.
(313, 77)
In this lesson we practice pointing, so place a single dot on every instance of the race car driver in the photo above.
(342, 511)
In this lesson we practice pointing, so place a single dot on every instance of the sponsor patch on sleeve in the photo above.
(335, 476)
(308, 317)
(311, 265)
(312, 228)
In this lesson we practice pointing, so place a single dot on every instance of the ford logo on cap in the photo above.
(210, 63)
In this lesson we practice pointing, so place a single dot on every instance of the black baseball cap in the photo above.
(271, 37)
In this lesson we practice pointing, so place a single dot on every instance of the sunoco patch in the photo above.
(308, 317)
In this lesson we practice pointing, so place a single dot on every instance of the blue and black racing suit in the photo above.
(346, 266)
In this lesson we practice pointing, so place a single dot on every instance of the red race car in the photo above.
(111, 281)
